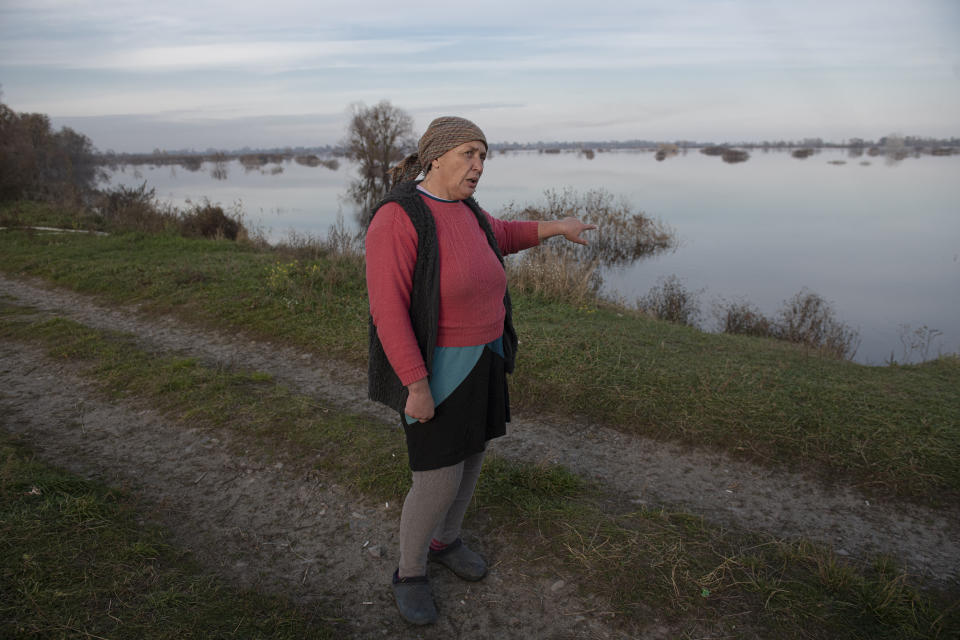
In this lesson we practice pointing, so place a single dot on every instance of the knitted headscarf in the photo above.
(443, 134)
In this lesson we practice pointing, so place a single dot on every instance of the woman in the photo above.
(442, 341)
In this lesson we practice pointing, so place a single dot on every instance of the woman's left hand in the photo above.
(570, 228)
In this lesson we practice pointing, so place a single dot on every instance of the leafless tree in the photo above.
(377, 138)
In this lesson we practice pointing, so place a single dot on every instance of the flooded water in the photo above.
(878, 239)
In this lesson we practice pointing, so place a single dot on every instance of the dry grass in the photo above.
(555, 275)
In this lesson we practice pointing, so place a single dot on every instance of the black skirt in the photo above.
(472, 407)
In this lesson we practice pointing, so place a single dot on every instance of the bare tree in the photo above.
(377, 138)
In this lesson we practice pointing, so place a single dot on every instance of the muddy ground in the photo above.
(284, 530)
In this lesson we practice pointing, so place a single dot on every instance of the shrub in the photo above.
(134, 209)
(209, 221)
(192, 163)
(253, 161)
(310, 160)
(733, 156)
(808, 319)
(670, 300)
(805, 319)
(622, 237)
(564, 271)
(742, 318)
(917, 342)
(713, 151)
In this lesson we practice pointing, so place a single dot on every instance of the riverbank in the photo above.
(758, 231)
(222, 299)
(260, 465)
(892, 429)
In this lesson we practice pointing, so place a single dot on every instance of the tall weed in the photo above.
(556, 275)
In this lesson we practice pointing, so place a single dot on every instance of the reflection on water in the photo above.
(877, 237)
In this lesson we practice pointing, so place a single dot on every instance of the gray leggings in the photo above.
(434, 508)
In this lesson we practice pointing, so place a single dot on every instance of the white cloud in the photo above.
(539, 69)
(274, 56)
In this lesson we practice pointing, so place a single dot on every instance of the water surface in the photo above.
(880, 241)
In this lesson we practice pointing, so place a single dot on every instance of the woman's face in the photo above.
(455, 174)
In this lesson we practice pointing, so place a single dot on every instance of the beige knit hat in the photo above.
(443, 134)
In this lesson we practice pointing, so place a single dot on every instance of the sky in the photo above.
(192, 74)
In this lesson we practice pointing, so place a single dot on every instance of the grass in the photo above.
(896, 429)
(636, 563)
(75, 561)
(892, 430)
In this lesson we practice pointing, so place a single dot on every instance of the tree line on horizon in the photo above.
(339, 150)
(37, 161)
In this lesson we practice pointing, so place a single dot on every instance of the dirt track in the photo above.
(283, 530)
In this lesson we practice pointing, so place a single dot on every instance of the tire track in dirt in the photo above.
(708, 484)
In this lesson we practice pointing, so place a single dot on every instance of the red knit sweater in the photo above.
(472, 282)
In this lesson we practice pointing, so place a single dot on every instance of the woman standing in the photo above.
(442, 341)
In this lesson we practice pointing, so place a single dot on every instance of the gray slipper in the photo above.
(414, 599)
(464, 562)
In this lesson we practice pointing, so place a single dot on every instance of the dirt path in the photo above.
(265, 526)
(284, 530)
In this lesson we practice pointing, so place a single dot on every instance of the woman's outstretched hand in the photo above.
(570, 228)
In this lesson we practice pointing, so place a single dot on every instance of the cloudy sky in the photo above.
(135, 75)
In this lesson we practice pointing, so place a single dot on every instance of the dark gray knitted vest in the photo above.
(383, 384)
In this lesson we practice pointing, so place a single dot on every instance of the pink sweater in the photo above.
(472, 282)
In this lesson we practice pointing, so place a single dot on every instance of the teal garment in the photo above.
(452, 365)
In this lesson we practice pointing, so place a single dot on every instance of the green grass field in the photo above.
(894, 430)
(636, 560)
